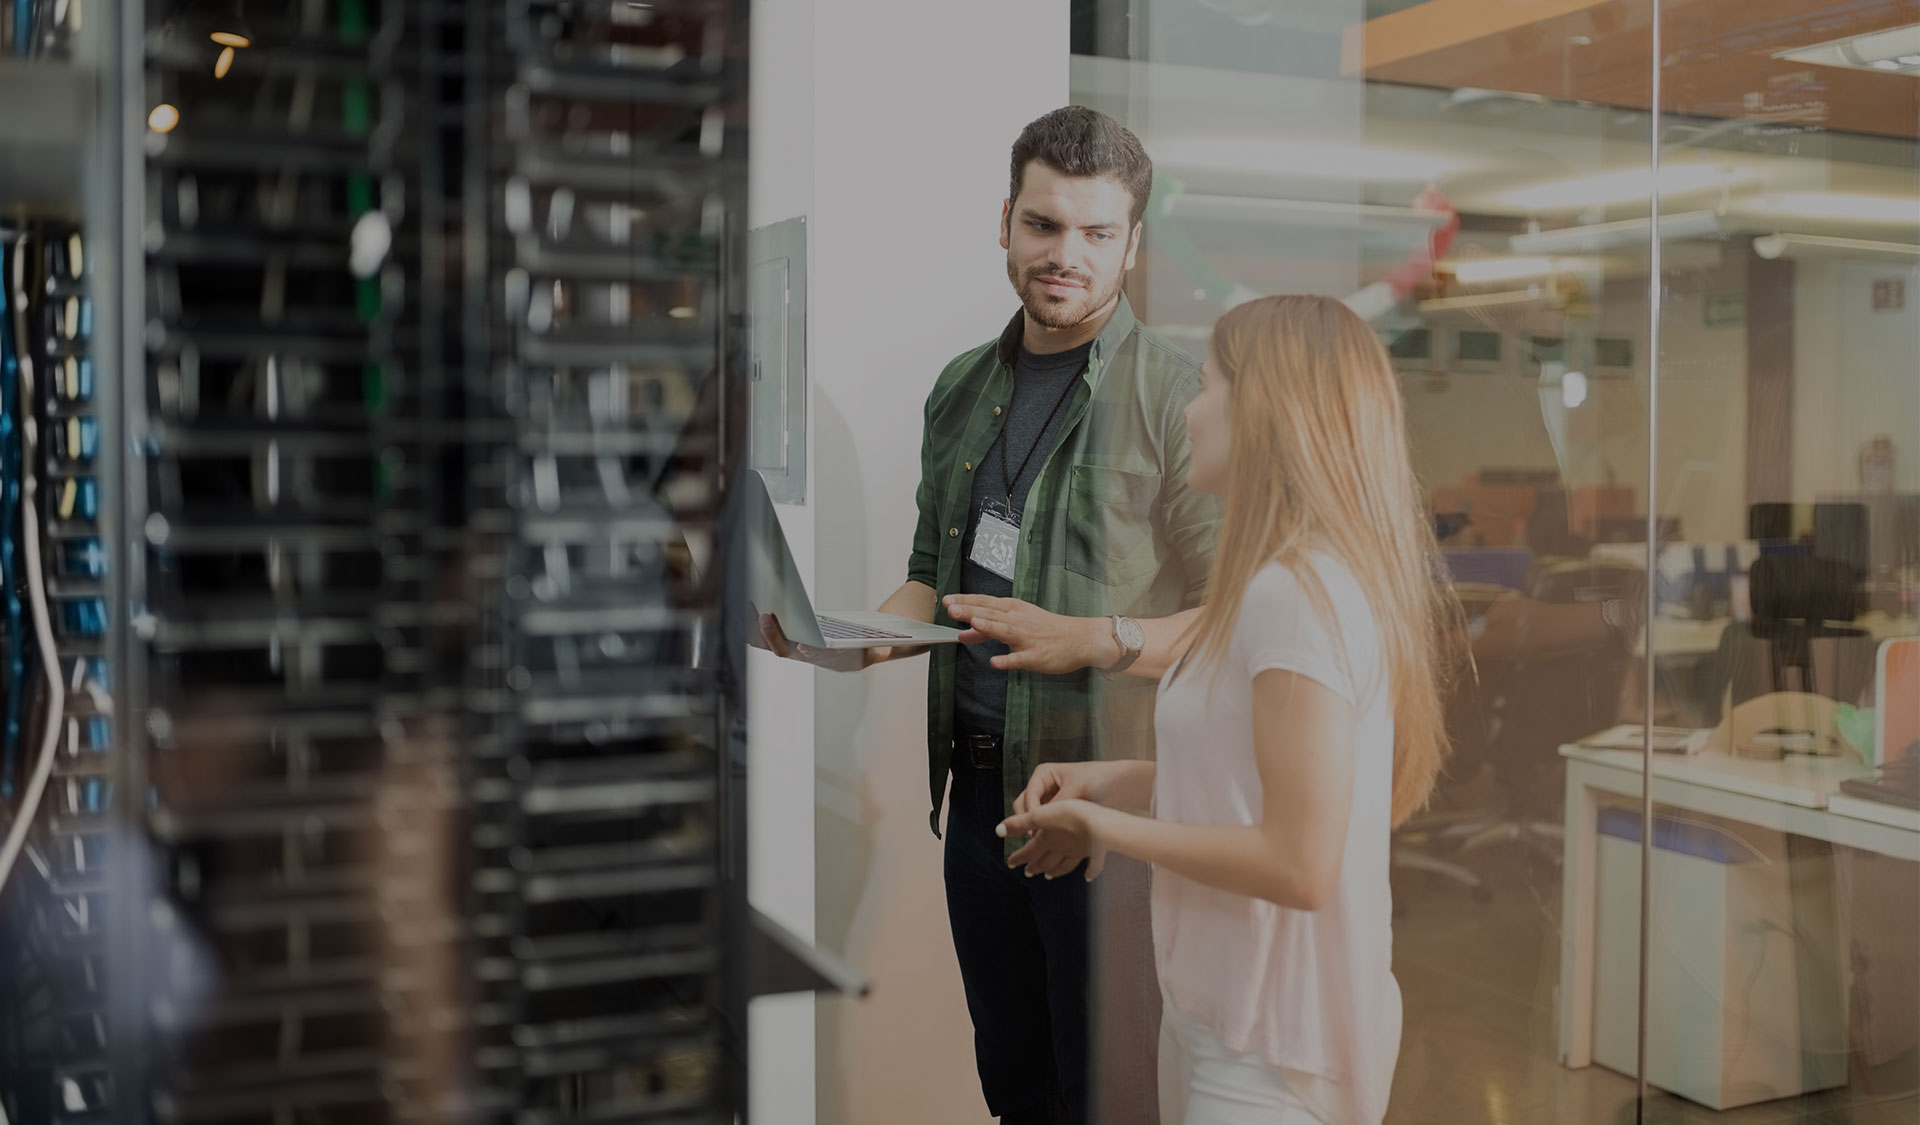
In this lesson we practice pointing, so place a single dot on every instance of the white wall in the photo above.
(1507, 421)
(887, 125)
(1856, 373)
(916, 106)
(1702, 416)
(780, 1048)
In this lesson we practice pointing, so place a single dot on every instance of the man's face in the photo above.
(1069, 244)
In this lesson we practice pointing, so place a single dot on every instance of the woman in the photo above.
(1301, 725)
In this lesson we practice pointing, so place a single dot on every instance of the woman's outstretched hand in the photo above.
(1061, 833)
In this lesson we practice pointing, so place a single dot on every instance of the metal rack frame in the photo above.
(452, 755)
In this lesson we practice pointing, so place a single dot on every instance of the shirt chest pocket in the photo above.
(1110, 524)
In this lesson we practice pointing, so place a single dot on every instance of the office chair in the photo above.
(1800, 637)
(1537, 703)
(1424, 842)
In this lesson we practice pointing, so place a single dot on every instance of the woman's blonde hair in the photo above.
(1320, 463)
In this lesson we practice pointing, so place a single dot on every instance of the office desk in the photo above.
(1680, 637)
(1877, 812)
(1796, 794)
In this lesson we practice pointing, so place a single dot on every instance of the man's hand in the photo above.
(774, 640)
(1042, 642)
(1063, 832)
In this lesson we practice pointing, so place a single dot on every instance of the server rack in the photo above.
(397, 775)
(615, 167)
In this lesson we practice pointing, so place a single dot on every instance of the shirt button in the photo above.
(953, 533)
(969, 466)
(996, 412)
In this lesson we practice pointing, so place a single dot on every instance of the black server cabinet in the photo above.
(397, 778)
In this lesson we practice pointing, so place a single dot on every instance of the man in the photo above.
(1053, 502)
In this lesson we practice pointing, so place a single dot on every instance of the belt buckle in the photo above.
(983, 751)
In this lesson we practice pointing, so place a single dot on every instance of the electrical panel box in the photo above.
(778, 307)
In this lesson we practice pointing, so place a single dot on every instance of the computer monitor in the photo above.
(1840, 534)
(1830, 529)
(1771, 522)
(1507, 567)
(1633, 529)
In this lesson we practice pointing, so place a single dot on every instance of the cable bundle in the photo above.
(43, 28)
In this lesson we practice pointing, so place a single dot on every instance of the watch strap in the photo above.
(1128, 654)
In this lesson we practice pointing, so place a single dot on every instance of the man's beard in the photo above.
(1060, 313)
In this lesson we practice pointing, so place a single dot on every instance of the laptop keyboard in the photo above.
(834, 629)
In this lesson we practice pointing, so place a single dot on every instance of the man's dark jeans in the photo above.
(1023, 949)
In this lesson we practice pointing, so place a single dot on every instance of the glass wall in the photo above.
(1787, 426)
(1671, 440)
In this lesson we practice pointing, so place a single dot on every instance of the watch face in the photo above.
(1131, 634)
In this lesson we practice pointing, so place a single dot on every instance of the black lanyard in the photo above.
(1038, 438)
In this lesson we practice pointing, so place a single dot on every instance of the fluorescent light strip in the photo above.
(1836, 206)
(1896, 49)
(1626, 232)
(1794, 245)
(1481, 271)
(1483, 300)
(1302, 159)
(1625, 186)
(1256, 209)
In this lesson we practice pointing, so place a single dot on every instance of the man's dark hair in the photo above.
(1086, 144)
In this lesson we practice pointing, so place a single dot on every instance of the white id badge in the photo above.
(996, 542)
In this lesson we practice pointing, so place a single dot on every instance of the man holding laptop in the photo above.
(1052, 502)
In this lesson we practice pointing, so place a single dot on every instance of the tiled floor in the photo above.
(1478, 983)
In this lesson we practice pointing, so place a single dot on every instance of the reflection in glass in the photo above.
(1285, 166)
(1787, 401)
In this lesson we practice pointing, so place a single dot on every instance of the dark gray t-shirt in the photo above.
(1042, 396)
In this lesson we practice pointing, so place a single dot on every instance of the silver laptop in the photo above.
(774, 586)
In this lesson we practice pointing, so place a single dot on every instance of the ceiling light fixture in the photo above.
(1782, 245)
(1470, 301)
(1896, 49)
(1835, 206)
(1303, 159)
(1625, 186)
(1481, 271)
(1573, 389)
(1592, 237)
(1259, 209)
(163, 119)
(229, 28)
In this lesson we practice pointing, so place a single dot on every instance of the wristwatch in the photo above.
(1131, 638)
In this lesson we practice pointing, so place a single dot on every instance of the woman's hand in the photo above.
(1062, 833)
(1062, 781)
(1123, 784)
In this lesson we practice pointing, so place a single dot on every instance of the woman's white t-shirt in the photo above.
(1311, 993)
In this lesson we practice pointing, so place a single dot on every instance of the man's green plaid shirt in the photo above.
(1109, 527)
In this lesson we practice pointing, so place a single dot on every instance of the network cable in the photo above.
(38, 27)
(42, 619)
(56, 696)
(13, 407)
(56, 692)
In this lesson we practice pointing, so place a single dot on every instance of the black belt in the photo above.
(977, 751)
